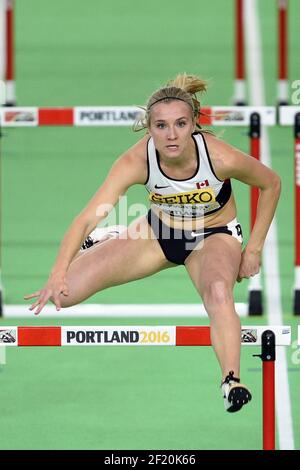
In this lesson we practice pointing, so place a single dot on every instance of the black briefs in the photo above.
(178, 244)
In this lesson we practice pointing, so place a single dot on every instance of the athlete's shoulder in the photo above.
(211, 140)
(132, 164)
(220, 151)
(138, 152)
(229, 161)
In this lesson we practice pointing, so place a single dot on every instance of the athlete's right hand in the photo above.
(55, 286)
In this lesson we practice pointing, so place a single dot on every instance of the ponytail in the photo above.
(189, 83)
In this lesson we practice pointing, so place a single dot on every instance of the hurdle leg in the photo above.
(255, 296)
(1, 297)
(255, 301)
(239, 82)
(2, 356)
(268, 356)
(297, 216)
(282, 92)
(2, 50)
(9, 73)
(1, 285)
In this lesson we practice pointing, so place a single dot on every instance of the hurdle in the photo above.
(282, 53)
(290, 116)
(268, 337)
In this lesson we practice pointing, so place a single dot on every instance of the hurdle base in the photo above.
(255, 306)
(297, 302)
(240, 103)
(282, 103)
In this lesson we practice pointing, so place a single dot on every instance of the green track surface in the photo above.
(70, 53)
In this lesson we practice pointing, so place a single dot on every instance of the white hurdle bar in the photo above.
(130, 335)
(125, 116)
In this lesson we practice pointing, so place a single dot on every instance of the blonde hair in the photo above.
(183, 88)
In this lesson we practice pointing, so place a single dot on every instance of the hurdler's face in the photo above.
(171, 126)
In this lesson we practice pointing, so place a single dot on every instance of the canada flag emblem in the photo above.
(202, 184)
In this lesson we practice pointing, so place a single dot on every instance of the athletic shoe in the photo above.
(235, 394)
(102, 234)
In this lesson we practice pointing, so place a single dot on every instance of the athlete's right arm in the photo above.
(129, 169)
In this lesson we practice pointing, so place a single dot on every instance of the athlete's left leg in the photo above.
(213, 269)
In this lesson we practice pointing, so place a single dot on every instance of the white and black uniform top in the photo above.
(198, 196)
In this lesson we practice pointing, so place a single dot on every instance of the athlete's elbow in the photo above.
(273, 185)
(81, 222)
(276, 184)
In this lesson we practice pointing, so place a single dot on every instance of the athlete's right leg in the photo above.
(134, 255)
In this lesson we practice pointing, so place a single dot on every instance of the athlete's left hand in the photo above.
(250, 264)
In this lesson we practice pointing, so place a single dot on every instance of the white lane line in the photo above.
(270, 255)
(118, 310)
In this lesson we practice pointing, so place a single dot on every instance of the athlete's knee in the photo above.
(65, 301)
(218, 291)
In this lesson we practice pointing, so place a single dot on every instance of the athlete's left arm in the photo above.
(232, 163)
